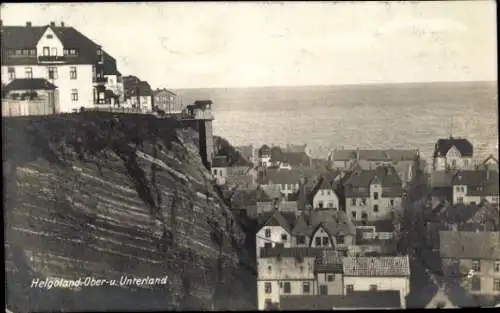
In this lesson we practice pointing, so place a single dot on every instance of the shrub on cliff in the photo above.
(223, 147)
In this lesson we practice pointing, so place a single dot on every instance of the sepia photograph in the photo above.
(250, 156)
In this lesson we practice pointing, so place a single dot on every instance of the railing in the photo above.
(51, 58)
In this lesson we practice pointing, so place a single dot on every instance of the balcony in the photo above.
(51, 59)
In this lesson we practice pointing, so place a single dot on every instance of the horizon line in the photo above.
(341, 85)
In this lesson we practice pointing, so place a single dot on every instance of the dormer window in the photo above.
(49, 36)
(65, 51)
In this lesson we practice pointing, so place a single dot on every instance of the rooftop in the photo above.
(469, 245)
(377, 266)
(444, 145)
(29, 84)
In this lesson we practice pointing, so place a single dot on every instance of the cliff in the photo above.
(103, 195)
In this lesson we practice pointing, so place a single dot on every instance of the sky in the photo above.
(242, 44)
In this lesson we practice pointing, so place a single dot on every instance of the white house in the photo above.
(474, 186)
(373, 195)
(377, 273)
(220, 169)
(326, 195)
(264, 155)
(274, 230)
(58, 53)
(284, 271)
(453, 153)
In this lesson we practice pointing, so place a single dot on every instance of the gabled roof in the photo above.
(109, 64)
(334, 222)
(301, 227)
(402, 154)
(386, 175)
(356, 300)
(444, 145)
(282, 219)
(479, 182)
(29, 84)
(24, 37)
(469, 245)
(491, 157)
(469, 177)
(397, 266)
(245, 151)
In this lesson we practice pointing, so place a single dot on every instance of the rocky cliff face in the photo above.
(105, 196)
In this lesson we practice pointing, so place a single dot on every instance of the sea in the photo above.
(398, 116)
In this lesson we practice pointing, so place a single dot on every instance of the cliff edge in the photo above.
(109, 196)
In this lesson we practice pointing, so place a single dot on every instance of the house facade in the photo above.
(475, 186)
(166, 100)
(377, 273)
(326, 195)
(453, 153)
(329, 273)
(274, 230)
(465, 251)
(284, 271)
(61, 55)
(137, 94)
(372, 195)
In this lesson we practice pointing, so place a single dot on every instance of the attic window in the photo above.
(49, 36)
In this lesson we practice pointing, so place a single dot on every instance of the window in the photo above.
(74, 95)
(354, 214)
(28, 72)
(268, 245)
(49, 36)
(373, 287)
(269, 268)
(497, 266)
(268, 287)
(287, 288)
(330, 278)
(328, 192)
(306, 287)
(375, 195)
(72, 51)
(268, 233)
(349, 288)
(32, 52)
(364, 215)
(52, 72)
(363, 200)
(460, 199)
(73, 75)
(496, 284)
(440, 304)
(375, 208)
(330, 205)
(391, 202)
(325, 241)
(19, 52)
(320, 204)
(323, 290)
(340, 240)
(12, 73)
(353, 201)
(317, 241)
(46, 51)
(301, 240)
(284, 237)
(476, 283)
(215, 171)
(466, 163)
(476, 266)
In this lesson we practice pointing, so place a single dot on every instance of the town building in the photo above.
(374, 238)
(234, 174)
(264, 154)
(405, 161)
(36, 96)
(372, 194)
(267, 202)
(377, 273)
(462, 252)
(137, 94)
(490, 163)
(453, 153)
(287, 180)
(284, 271)
(327, 193)
(114, 94)
(328, 273)
(475, 186)
(166, 100)
(358, 300)
(220, 165)
(59, 54)
(274, 228)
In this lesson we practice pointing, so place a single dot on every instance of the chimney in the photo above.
(357, 154)
(28, 24)
(52, 24)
